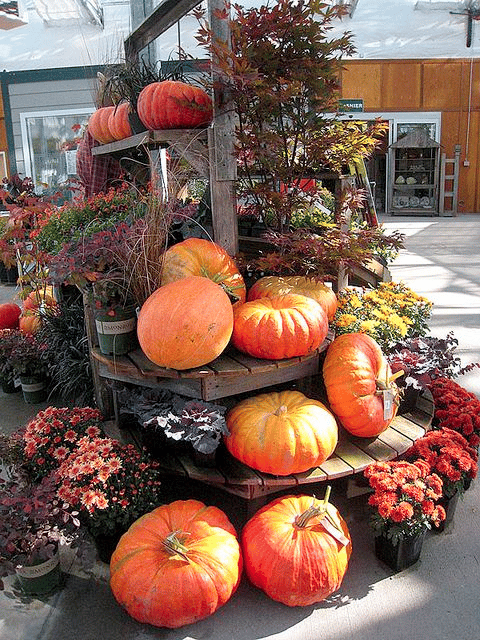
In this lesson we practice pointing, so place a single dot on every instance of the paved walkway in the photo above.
(437, 599)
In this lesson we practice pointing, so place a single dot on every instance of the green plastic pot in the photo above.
(34, 389)
(41, 578)
(117, 335)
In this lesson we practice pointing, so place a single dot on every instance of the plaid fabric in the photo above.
(96, 173)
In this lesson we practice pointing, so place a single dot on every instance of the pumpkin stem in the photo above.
(282, 409)
(302, 520)
(174, 545)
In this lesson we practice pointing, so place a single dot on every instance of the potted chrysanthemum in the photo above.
(405, 505)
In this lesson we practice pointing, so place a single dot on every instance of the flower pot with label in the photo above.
(116, 330)
(41, 578)
(34, 388)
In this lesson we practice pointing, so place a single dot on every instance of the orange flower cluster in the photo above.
(457, 409)
(405, 497)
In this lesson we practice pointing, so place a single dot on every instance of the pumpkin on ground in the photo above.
(356, 374)
(281, 433)
(199, 257)
(9, 315)
(177, 564)
(118, 122)
(186, 323)
(296, 549)
(172, 104)
(270, 286)
(98, 125)
(279, 327)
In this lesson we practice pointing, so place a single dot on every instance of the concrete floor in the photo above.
(436, 599)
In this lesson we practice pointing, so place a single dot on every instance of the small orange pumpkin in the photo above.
(176, 565)
(98, 125)
(118, 122)
(270, 286)
(186, 323)
(291, 555)
(9, 315)
(279, 327)
(355, 374)
(281, 433)
(30, 323)
(199, 257)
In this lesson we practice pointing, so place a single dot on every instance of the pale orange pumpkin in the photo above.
(98, 125)
(119, 123)
(355, 374)
(281, 432)
(186, 323)
(279, 327)
(270, 286)
(199, 257)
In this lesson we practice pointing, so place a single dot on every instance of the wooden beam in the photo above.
(165, 15)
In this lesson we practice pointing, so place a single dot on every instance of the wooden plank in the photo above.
(353, 456)
(170, 464)
(236, 472)
(254, 365)
(137, 140)
(395, 440)
(224, 365)
(407, 428)
(166, 14)
(376, 448)
(312, 475)
(116, 364)
(210, 475)
(148, 368)
(335, 468)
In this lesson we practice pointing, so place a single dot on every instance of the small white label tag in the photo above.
(334, 532)
(387, 404)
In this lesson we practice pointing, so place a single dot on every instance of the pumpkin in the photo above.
(199, 257)
(186, 323)
(281, 285)
(118, 122)
(9, 315)
(293, 553)
(172, 104)
(29, 322)
(355, 374)
(280, 327)
(281, 433)
(36, 298)
(176, 565)
(98, 124)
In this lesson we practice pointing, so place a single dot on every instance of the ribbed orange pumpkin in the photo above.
(199, 257)
(9, 315)
(30, 322)
(186, 323)
(171, 104)
(176, 565)
(355, 372)
(281, 433)
(289, 554)
(98, 125)
(270, 286)
(281, 327)
(118, 122)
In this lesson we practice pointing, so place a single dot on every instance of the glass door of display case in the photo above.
(414, 162)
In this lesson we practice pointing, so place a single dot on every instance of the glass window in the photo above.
(49, 145)
(430, 128)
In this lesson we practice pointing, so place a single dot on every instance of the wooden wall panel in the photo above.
(442, 86)
(402, 86)
(363, 81)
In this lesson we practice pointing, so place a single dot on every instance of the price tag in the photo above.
(334, 532)
(388, 398)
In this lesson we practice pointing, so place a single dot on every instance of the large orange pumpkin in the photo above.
(177, 564)
(281, 433)
(186, 323)
(9, 315)
(355, 374)
(118, 122)
(199, 257)
(171, 104)
(270, 286)
(98, 125)
(291, 555)
(280, 327)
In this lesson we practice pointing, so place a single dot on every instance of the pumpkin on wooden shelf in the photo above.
(360, 386)
(98, 125)
(171, 104)
(177, 564)
(186, 323)
(119, 123)
(281, 433)
(296, 549)
(199, 257)
(269, 286)
(9, 315)
(279, 327)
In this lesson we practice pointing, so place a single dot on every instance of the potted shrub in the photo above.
(7, 374)
(33, 523)
(405, 505)
(28, 362)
